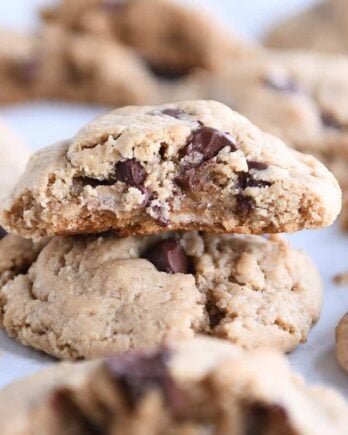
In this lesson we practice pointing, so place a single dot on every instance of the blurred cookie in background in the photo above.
(172, 38)
(58, 65)
(322, 28)
(14, 156)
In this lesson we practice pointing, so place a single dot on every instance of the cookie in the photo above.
(59, 65)
(342, 342)
(90, 296)
(192, 387)
(16, 255)
(300, 97)
(173, 38)
(321, 28)
(14, 156)
(193, 165)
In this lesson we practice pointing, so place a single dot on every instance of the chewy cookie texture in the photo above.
(86, 297)
(193, 387)
(185, 166)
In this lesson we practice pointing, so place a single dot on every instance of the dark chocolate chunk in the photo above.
(259, 166)
(168, 256)
(244, 204)
(131, 172)
(246, 180)
(263, 419)
(3, 232)
(208, 142)
(174, 113)
(329, 121)
(282, 84)
(137, 373)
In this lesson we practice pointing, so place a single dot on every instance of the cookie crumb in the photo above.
(341, 278)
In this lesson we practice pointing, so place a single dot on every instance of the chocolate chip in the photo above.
(131, 172)
(3, 232)
(329, 121)
(244, 204)
(282, 84)
(174, 113)
(168, 256)
(147, 195)
(246, 180)
(136, 374)
(93, 182)
(165, 73)
(263, 419)
(208, 142)
(259, 166)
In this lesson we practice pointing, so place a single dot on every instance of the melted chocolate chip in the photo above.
(3, 232)
(329, 121)
(282, 84)
(244, 204)
(70, 415)
(168, 256)
(136, 374)
(131, 172)
(208, 142)
(174, 113)
(246, 180)
(259, 166)
(262, 419)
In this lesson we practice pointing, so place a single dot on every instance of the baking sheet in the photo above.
(41, 124)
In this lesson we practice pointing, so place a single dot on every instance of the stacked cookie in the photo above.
(151, 217)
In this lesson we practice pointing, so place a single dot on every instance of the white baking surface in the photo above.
(44, 123)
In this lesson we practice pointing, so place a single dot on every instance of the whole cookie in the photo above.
(173, 38)
(342, 342)
(192, 387)
(56, 64)
(90, 296)
(321, 28)
(194, 165)
(14, 156)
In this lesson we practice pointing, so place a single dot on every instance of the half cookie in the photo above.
(195, 387)
(90, 296)
(186, 166)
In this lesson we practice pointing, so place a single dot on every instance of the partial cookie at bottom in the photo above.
(197, 386)
(89, 296)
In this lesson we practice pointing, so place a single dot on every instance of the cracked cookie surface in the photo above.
(90, 296)
(192, 387)
(194, 165)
